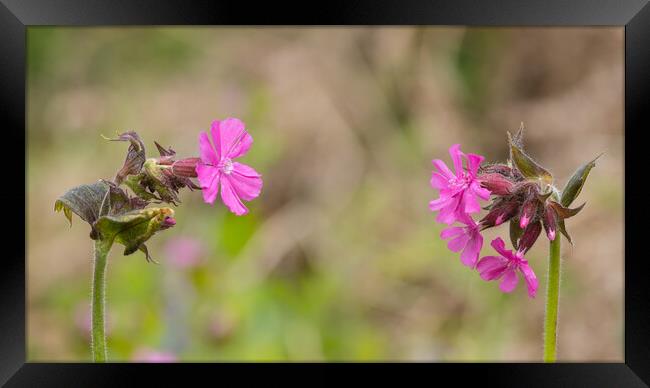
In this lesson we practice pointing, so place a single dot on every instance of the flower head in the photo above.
(459, 191)
(505, 267)
(467, 239)
(184, 252)
(238, 181)
(151, 355)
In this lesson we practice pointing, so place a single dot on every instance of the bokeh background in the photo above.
(339, 258)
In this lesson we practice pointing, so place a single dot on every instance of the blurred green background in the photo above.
(339, 258)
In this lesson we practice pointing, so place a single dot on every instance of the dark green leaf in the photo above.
(89, 202)
(574, 185)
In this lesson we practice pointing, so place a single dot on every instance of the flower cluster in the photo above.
(522, 194)
(117, 215)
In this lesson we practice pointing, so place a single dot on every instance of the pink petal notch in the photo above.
(217, 171)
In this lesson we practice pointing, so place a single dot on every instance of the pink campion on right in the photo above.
(505, 267)
(467, 239)
(459, 191)
(238, 181)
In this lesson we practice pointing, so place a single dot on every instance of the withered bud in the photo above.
(530, 235)
(500, 212)
(550, 222)
(185, 167)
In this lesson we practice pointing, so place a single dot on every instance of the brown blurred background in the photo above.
(339, 258)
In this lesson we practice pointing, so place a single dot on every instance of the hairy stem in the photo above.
(98, 301)
(552, 301)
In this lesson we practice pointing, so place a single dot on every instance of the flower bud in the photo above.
(550, 222)
(185, 167)
(528, 212)
(496, 183)
(499, 213)
(528, 238)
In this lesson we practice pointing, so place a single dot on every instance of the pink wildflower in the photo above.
(238, 181)
(150, 355)
(459, 191)
(184, 252)
(467, 239)
(505, 267)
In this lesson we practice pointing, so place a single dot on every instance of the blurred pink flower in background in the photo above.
(184, 252)
(238, 181)
(151, 355)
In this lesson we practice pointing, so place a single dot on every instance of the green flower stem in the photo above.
(100, 263)
(552, 301)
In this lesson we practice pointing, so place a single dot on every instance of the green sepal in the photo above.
(565, 212)
(525, 164)
(132, 229)
(576, 182)
(562, 228)
(515, 233)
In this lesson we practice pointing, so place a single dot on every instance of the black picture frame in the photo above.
(17, 15)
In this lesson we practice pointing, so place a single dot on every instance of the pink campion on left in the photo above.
(459, 191)
(238, 181)
(467, 239)
(505, 267)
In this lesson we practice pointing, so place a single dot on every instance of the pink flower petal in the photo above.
(208, 177)
(500, 247)
(470, 202)
(207, 152)
(491, 267)
(469, 257)
(453, 231)
(439, 203)
(439, 181)
(457, 158)
(457, 244)
(230, 197)
(230, 138)
(246, 181)
(509, 281)
(442, 167)
(530, 278)
(473, 162)
(481, 192)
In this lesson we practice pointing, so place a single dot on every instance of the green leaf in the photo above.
(525, 164)
(89, 202)
(134, 228)
(515, 232)
(576, 182)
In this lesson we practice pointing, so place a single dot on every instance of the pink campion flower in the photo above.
(459, 190)
(151, 355)
(467, 239)
(238, 181)
(505, 267)
(185, 252)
